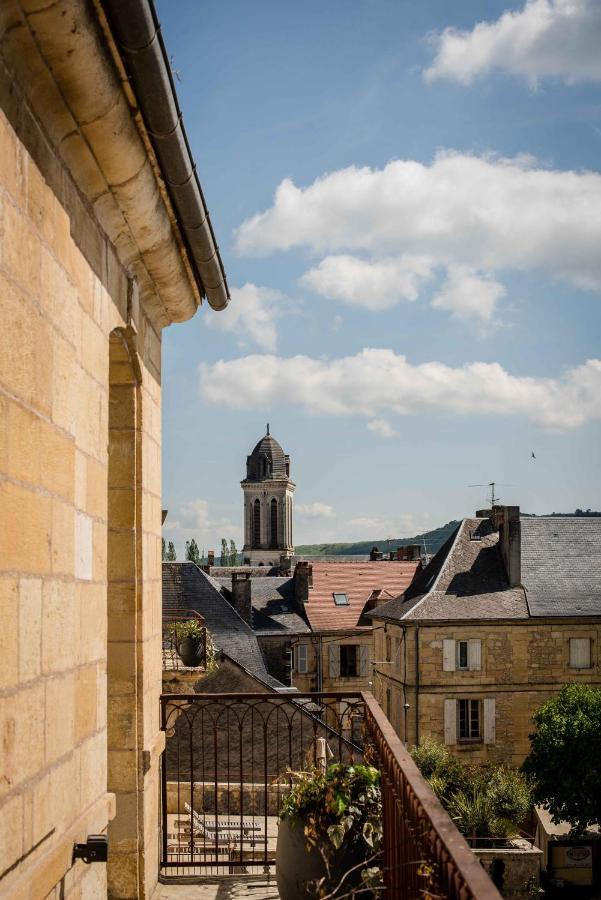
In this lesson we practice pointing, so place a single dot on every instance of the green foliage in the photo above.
(186, 628)
(233, 553)
(485, 802)
(225, 556)
(192, 552)
(170, 554)
(339, 808)
(565, 756)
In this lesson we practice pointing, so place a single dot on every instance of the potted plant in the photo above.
(329, 834)
(188, 639)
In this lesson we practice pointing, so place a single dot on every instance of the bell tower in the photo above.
(268, 492)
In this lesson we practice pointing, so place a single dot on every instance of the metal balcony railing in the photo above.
(224, 775)
(171, 658)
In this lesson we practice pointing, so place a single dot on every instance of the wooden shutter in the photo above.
(448, 655)
(334, 661)
(474, 655)
(450, 721)
(363, 660)
(580, 653)
(301, 659)
(489, 720)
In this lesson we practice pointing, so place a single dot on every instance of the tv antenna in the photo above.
(494, 499)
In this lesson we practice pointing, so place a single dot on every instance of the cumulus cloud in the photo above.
(546, 38)
(372, 284)
(467, 294)
(251, 316)
(382, 428)
(482, 212)
(315, 510)
(196, 519)
(381, 381)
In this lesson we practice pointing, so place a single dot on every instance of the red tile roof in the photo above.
(357, 581)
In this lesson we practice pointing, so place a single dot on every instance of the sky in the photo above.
(407, 199)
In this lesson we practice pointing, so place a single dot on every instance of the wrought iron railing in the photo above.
(172, 660)
(225, 771)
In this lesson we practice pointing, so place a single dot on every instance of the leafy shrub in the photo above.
(438, 765)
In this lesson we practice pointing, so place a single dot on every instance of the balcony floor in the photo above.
(226, 888)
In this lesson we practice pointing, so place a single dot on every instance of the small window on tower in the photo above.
(341, 599)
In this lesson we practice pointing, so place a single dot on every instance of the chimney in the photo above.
(210, 558)
(410, 552)
(285, 565)
(375, 554)
(303, 581)
(241, 596)
(506, 520)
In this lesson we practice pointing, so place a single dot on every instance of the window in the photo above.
(256, 535)
(273, 524)
(462, 655)
(388, 702)
(580, 653)
(349, 654)
(302, 662)
(388, 648)
(341, 599)
(469, 720)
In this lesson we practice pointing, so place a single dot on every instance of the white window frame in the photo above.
(580, 653)
(302, 659)
(458, 645)
(451, 651)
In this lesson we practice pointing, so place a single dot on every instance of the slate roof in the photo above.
(357, 581)
(267, 449)
(561, 565)
(466, 579)
(230, 633)
(273, 604)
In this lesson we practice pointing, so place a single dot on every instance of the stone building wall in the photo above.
(318, 647)
(61, 531)
(523, 663)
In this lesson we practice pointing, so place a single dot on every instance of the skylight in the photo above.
(340, 599)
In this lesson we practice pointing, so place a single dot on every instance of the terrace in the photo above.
(225, 771)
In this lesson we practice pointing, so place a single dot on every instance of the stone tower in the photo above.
(268, 494)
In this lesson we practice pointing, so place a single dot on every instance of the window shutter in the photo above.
(580, 653)
(448, 656)
(363, 660)
(301, 659)
(474, 655)
(489, 720)
(450, 721)
(334, 660)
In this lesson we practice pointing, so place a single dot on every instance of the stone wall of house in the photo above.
(75, 518)
(276, 653)
(514, 870)
(523, 663)
(317, 648)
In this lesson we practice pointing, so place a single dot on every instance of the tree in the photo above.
(233, 554)
(225, 556)
(163, 549)
(170, 555)
(565, 756)
(192, 552)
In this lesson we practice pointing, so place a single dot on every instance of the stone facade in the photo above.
(320, 664)
(80, 467)
(522, 664)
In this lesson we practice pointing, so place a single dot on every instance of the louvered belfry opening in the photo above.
(256, 537)
(273, 524)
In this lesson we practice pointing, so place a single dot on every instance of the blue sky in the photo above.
(414, 311)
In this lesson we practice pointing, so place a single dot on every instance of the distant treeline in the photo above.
(431, 540)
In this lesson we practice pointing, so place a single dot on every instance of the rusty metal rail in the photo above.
(424, 853)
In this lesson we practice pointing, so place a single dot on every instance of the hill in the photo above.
(433, 540)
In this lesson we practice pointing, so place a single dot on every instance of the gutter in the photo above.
(136, 30)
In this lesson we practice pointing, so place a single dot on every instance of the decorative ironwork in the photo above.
(171, 616)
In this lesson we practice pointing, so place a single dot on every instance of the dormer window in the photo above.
(341, 599)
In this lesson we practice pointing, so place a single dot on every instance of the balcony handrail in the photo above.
(469, 879)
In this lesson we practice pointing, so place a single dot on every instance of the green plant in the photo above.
(438, 765)
(565, 756)
(186, 628)
(339, 807)
(473, 813)
(510, 792)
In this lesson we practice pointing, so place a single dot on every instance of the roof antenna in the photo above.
(268, 428)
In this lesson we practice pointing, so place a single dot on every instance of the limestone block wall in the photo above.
(59, 308)
(522, 664)
(318, 648)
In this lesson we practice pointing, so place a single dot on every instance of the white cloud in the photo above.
(381, 381)
(546, 38)
(482, 212)
(467, 294)
(196, 519)
(314, 510)
(381, 427)
(372, 284)
(250, 316)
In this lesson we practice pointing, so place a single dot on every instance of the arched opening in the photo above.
(256, 537)
(273, 519)
(123, 589)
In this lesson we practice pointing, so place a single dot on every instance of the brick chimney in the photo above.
(506, 520)
(410, 552)
(242, 595)
(210, 558)
(303, 581)
(375, 554)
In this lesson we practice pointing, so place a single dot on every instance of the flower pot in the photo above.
(296, 866)
(190, 651)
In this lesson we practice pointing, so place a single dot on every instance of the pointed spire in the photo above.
(268, 428)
